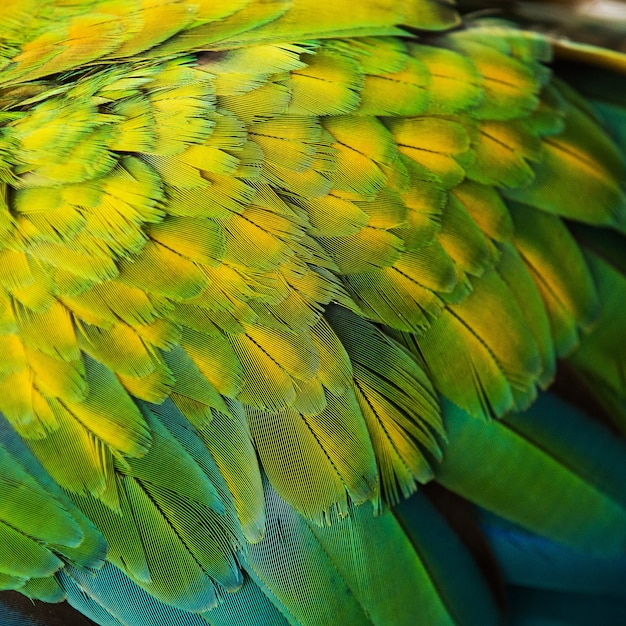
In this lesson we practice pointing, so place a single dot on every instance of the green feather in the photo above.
(551, 470)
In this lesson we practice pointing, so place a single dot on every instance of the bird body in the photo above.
(267, 268)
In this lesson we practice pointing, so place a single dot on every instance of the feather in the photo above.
(600, 359)
(567, 465)
(532, 561)
(266, 268)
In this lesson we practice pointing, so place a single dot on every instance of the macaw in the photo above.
(283, 288)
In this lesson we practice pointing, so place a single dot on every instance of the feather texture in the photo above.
(265, 269)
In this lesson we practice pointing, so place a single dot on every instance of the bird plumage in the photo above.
(266, 269)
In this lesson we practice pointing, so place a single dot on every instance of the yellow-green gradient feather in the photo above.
(246, 248)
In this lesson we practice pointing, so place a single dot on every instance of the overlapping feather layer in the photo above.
(242, 254)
